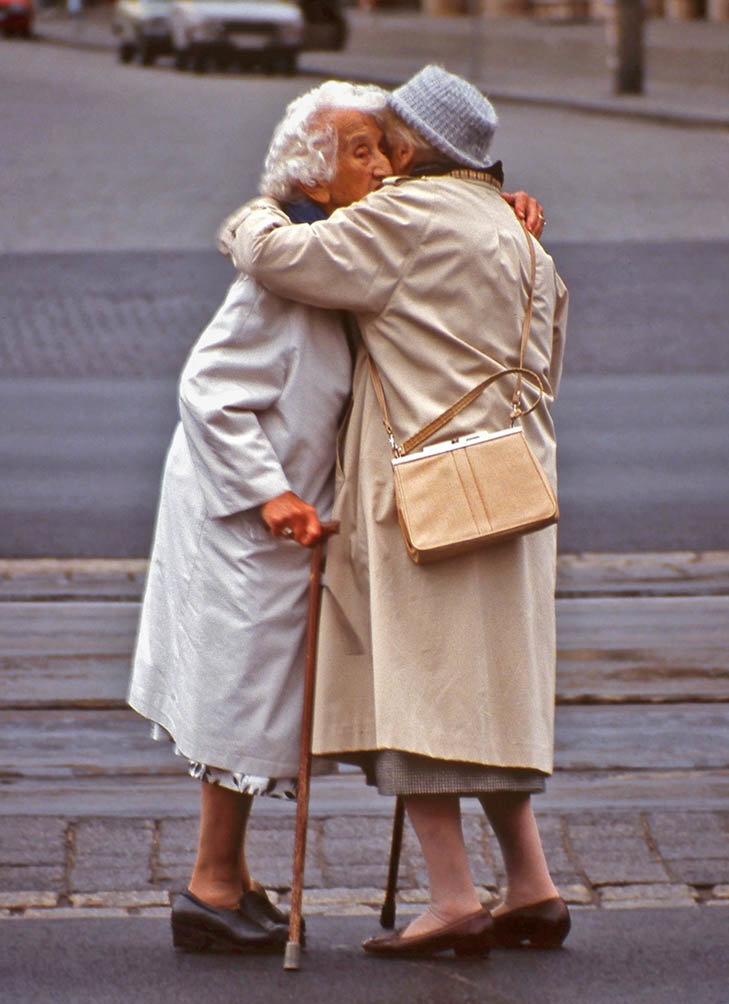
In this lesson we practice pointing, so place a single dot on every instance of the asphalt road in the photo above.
(635, 957)
(108, 270)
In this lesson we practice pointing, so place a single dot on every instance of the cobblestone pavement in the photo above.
(632, 817)
(128, 314)
(121, 313)
(607, 859)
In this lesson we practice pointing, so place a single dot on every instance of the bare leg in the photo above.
(436, 820)
(527, 874)
(220, 866)
(246, 882)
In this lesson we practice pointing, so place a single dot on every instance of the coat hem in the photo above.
(192, 748)
(542, 761)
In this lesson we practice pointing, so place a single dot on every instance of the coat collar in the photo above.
(493, 175)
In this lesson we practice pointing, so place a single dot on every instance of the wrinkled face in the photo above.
(362, 160)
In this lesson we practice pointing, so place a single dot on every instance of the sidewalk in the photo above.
(555, 64)
(95, 818)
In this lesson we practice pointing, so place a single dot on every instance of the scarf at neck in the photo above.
(306, 211)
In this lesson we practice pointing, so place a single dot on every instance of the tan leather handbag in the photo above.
(479, 489)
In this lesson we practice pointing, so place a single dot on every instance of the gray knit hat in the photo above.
(449, 113)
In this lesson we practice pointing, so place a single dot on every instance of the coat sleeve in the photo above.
(351, 261)
(559, 334)
(236, 371)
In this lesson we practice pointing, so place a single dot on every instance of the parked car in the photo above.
(265, 33)
(16, 18)
(143, 29)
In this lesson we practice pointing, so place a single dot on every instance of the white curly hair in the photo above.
(304, 145)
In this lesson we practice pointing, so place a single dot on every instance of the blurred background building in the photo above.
(567, 10)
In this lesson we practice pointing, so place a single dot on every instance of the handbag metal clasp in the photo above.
(394, 445)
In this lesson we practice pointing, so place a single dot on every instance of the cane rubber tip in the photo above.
(292, 955)
(387, 916)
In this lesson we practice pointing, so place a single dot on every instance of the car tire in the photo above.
(145, 52)
(281, 62)
(289, 62)
(125, 52)
(198, 61)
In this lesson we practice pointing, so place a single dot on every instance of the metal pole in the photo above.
(629, 47)
(475, 11)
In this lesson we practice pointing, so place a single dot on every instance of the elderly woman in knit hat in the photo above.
(438, 680)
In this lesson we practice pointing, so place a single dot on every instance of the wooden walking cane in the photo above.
(387, 913)
(293, 945)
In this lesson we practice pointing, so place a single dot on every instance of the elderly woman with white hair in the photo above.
(218, 666)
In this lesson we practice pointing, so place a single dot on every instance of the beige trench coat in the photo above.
(454, 660)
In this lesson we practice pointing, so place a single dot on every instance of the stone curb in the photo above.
(583, 106)
(38, 906)
(638, 571)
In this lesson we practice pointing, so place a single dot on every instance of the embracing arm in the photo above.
(351, 261)
(524, 205)
(559, 333)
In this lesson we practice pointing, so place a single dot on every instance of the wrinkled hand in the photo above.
(290, 517)
(528, 210)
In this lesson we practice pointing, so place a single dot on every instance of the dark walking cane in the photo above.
(293, 946)
(387, 913)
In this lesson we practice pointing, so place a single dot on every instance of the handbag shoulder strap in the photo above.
(437, 423)
(525, 324)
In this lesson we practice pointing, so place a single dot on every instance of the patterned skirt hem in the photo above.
(396, 772)
(244, 784)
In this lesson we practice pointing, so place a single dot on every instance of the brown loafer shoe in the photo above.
(542, 925)
(471, 935)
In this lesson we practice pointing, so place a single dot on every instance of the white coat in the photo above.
(219, 655)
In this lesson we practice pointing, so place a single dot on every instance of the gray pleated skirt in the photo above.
(394, 772)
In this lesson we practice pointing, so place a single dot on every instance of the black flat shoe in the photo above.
(198, 927)
(471, 935)
(541, 925)
(258, 907)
